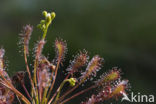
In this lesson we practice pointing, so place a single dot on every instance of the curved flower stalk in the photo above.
(43, 79)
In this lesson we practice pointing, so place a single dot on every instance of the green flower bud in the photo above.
(44, 13)
(39, 26)
(53, 15)
(43, 27)
(42, 22)
(48, 18)
(72, 81)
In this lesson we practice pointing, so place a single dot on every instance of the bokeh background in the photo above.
(121, 31)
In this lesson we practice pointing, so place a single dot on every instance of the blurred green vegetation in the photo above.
(123, 32)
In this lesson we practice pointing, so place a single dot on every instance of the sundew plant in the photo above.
(42, 76)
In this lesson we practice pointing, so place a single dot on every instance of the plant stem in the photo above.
(79, 93)
(56, 69)
(68, 92)
(45, 31)
(28, 70)
(53, 97)
(26, 91)
(6, 83)
(44, 99)
(59, 90)
(35, 80)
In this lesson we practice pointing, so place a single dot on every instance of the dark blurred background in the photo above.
(123, 32)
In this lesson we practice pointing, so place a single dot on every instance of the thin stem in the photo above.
(45, 31)
(35, 72)
(44, 99)
(53, 97)
(6, 83)
(28, 70)
(35, 80)
(26, 91)
(18, 99)
(39, 87)
(68, 75)
(53, 80)
(68, 92)
(20, 95)
(59, 90)
(79, 93)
